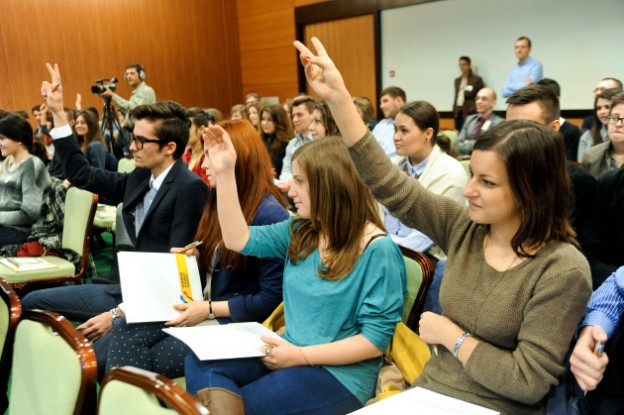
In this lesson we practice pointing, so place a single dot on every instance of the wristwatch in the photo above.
(211, 315)
(115, 314)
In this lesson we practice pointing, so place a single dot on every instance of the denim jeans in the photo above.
(432, 301)
(76, 302)
(11, 236)
(300, 389)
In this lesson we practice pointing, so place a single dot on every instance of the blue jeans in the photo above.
(432, 301)
(11, 236)
(300, 389)
(76, 302)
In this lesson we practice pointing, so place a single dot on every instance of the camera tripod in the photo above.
(120, 147)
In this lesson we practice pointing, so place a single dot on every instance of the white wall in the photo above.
(578, 41)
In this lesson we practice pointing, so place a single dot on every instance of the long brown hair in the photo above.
(534, 157)
(283, 130)
(254, 181)
(341, 206)
(93, 133)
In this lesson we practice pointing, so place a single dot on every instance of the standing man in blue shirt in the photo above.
(527, 71)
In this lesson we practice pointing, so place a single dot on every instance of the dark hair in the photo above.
(306, 100)
(607, 94)
(283, 130)
(22, 114)
(217, 116)
(170, 120)
(16, 128)
(545, 97)
(394, 92)
(525, 38)
(93, 133)
(617, 100)
(446, 145)
(139, 68)
(93, 110)
(465, 58)
(71, 114)
(617, 81)
(424, 116)
(35, 108)
(535, 161)
(366, 106)
(331, 129)
(198, 117)
(552, 85)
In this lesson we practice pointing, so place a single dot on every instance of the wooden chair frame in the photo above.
(86, 403)
(12, 301)
(427, 278)
(165, 389)
(27, 286)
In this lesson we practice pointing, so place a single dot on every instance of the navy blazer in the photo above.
(252, 293)
(174, 214)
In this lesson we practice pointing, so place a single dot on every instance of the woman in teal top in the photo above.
(344, 281)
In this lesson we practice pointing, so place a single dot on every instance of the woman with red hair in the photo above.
(237, 288)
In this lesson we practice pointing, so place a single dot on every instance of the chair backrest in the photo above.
(419, 277)
(129, 390)
(466, 165)
(54, 369)
(126, 165)
(80, 206)
(10, 312)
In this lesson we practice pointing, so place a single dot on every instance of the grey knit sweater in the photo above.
(523, 318)
(22, 191)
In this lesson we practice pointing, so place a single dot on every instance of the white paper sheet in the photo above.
(227, 341)
(423, 401)
(150, 285)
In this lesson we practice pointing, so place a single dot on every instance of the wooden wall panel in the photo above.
(351, 44)
(188, 47)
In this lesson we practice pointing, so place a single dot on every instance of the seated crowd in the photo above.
(520, 242)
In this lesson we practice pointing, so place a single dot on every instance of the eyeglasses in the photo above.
(613, 119)
(139, 141)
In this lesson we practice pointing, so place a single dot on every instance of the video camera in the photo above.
(101, 85)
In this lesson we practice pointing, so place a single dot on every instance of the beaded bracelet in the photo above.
(459, 342)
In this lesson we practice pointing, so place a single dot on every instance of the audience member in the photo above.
(214, 115)
(152, 213)
(364, 107)
(598, 132)
(478, 123)
(25, 181)
(194, 154)
(603, 85)
(602, 374)
(141, 92)
(239, 112)
(252, 98)
(466, 87)
(254, 115)
(604, 230)
(301, 118)
(343, 290)
(538, 103)
(88, 129)
(417, 125)
(609, 155)
(512, 254)
(570, 132)
(323, 123)
(238, 289)
(391, 101)
(527, 70)
(276, 133)
(288, 105)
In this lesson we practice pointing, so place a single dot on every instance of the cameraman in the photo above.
(141, 94)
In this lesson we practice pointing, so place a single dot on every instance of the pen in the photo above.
(435, 349)
(55, 87)
(192, 245)
(13, 262)
(597, 352)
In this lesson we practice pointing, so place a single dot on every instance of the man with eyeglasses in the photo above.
(162, 202)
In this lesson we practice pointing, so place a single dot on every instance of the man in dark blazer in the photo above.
(163, 201)
(466, 88)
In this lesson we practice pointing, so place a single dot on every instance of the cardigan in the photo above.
(524, 318)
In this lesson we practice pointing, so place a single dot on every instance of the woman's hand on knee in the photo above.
(279, 354)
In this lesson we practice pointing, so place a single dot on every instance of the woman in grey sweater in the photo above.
(515, 284)
(24, 181)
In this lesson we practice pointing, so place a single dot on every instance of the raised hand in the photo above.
(221, 151)
(321, 72)
(52, 91)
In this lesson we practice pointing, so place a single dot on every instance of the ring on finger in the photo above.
(267, 350)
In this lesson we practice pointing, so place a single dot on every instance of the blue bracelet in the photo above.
(459, 342)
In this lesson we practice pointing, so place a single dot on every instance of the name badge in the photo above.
(486, 125)
(468, 88)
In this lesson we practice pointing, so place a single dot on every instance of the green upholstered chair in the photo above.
(54, 369)
(126, 165)
(419, 271)
(129, 390)
(10, 312)
(80, 208)
(466, 165)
